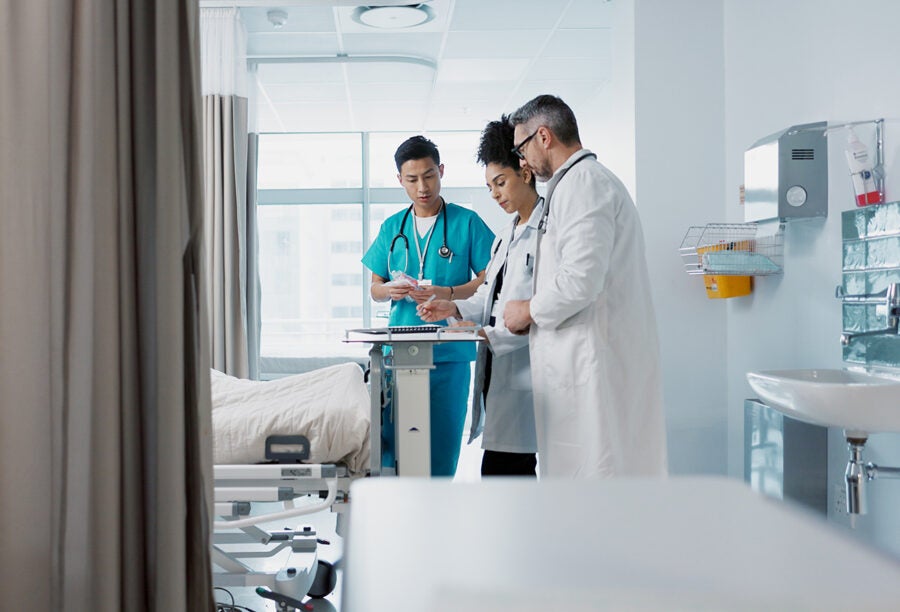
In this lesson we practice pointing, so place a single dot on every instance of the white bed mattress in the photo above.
(329, 406)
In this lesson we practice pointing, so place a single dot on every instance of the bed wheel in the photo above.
(324, 582)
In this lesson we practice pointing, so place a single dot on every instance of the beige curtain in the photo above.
(105, 476)
(228, 220)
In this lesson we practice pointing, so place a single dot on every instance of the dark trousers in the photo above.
(497, 463)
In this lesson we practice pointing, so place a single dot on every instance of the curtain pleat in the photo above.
(225, 188)
(254, 298)
(105, 444)
(33, 120)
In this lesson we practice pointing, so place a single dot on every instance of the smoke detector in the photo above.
(393, 17)
(277, 17)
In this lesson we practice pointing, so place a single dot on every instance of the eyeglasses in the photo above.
(517, 150)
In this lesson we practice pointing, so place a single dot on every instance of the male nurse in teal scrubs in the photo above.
(445, 248)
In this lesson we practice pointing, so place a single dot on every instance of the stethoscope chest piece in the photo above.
(444, 251)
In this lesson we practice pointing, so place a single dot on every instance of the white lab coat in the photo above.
(508, 420)
(594, 346)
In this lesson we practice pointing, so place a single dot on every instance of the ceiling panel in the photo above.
(578, 43)
(384, 72)
(493, 43)
(311, 73)
(477, 90)
(394, 92)
(384, 117)
(483, 69)
(481, 58)
(512, 14)
(418, 44)
(286, 43)
(577, 68)
(300, 19)
(306, 92)
(469, 115)
(331, 117)
(588, 14)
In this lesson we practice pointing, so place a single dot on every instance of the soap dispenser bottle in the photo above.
(861, 176)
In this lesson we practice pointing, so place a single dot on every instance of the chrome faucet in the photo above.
(891, 297)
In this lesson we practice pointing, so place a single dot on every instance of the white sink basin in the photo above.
(858, 402)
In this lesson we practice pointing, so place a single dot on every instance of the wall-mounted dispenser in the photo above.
(786, 174)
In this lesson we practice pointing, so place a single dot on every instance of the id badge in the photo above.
(424, 282)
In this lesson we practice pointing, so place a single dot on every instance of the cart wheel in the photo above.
(324, 582)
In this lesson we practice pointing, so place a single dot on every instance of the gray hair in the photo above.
(551, 112)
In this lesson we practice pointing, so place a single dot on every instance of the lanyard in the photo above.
(498, 280)
(419, 250)
(444, 251)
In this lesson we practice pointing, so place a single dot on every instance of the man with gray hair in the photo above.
(592, 329)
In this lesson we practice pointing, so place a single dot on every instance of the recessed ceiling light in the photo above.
(393, 17)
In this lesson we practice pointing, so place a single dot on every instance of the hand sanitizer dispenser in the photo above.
(786, 174)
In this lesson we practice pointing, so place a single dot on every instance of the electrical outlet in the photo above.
(840, 498)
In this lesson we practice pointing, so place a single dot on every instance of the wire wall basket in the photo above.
(733, 249)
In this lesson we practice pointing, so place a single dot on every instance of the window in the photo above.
(309, 161)
(346, 214)
(346, 279)
(346, 312)
(297, 263)
(347, 246)
(312, 205)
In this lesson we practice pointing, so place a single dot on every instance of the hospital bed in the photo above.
(293, 444)
(302, 440)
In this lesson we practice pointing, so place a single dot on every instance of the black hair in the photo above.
(551, 112)
(416, 147)
(496, 146)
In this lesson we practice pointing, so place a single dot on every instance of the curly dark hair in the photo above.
(496, 146)
(497, 143)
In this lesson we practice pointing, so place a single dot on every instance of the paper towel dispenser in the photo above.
(786, 174)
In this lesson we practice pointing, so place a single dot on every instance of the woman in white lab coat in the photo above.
(502, 402)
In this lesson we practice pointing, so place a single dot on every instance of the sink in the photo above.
(858, 402)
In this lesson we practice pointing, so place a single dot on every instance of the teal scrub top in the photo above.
(468, 237)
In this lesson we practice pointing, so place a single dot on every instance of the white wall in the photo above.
(788, 63)
(610, 131)
(710, 77)
(680, 169)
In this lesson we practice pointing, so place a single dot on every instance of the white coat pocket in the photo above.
(575, 360)
(520, 370)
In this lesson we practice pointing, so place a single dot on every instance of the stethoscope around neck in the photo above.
(542, 224)
(444, 251)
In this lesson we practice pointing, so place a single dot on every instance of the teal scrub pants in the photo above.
(449, 396)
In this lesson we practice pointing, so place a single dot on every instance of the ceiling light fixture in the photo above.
(393, 17)
(278, 18)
